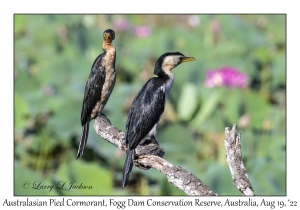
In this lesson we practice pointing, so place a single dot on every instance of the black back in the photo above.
(145, 111)
(93, 89)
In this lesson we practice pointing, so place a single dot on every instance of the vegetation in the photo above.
(239, 76)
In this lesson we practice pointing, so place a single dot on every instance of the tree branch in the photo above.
(149, 155)
(237, 168)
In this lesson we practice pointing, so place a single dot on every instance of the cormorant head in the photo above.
(166, 62)
(108, 35)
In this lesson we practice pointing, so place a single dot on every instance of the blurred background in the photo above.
(239, 76)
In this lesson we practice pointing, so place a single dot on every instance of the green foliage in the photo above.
(187, 103)
(208, 107)
(52, 61)
(28, 182)
(257, 108)
(76, 171)
(20, 117)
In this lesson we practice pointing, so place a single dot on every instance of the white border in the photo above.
(8, 8)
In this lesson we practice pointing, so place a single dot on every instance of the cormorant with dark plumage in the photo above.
(148, 106)
(99, 86)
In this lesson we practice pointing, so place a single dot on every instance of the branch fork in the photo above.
(150, 155)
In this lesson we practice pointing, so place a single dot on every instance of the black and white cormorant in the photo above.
(148, 106)
(99, 86)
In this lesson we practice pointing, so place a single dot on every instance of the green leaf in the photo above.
(278, 69)
(208, 108)
(94, 179)
(187, 103)
(174, 138)
(232, 105)
(274, 184)
(218, 177)
(66, 117)
(21, 110)
(257, 108)
(28, 182)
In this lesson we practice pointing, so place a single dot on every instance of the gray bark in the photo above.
(149, 155)
(237, 168)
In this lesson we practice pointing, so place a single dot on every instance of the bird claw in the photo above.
(153, 139)
(148, 141)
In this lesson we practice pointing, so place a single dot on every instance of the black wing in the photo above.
(145, 112)
(93, 89)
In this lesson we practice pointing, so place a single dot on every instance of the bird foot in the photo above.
(148, 140)
(153, 139)
(148, 146)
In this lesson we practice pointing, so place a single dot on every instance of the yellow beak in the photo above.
(187, 59)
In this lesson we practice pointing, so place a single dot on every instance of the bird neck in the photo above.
(166, 74)
(107, 46)
(169, 83)
(109, 54)
(168, 78)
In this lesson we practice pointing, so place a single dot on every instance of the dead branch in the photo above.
(149, 155)
(237, 168)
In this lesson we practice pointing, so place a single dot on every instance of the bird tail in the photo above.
(83, 139)
(127, 167)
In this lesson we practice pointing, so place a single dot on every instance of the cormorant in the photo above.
(99, 86)
(148, 106)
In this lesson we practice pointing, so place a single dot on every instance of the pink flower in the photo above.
(142, 31)
(121, 24)
(227, 77)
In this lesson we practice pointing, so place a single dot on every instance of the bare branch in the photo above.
(149, 155)
(176, 175)
(237, 168)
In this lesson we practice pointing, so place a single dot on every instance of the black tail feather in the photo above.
(127, 167)
(83, 139)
